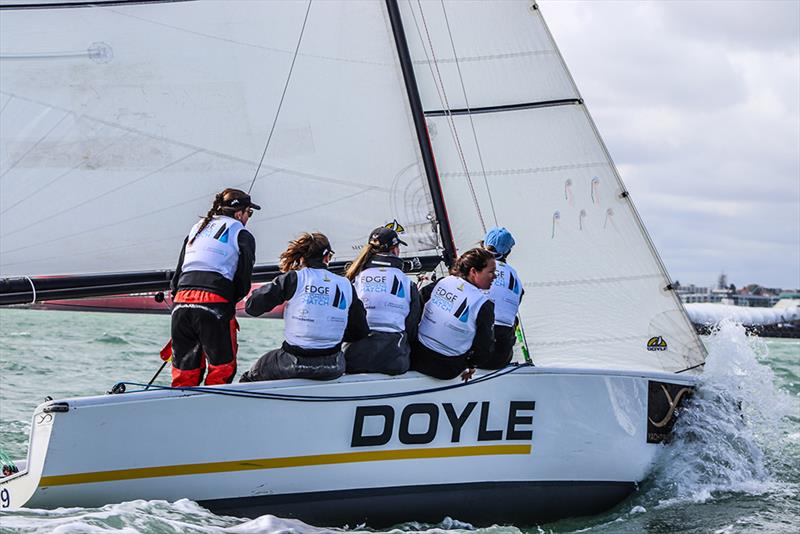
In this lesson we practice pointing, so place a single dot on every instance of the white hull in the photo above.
(574, 442)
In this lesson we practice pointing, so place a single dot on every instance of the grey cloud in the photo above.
(699, 104)
(763, 25)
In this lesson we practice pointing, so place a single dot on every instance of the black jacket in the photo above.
(283, 288)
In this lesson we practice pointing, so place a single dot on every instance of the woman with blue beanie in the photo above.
(506, 293)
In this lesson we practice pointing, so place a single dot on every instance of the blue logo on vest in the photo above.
(397, 288)
(462, 312)
(222, 234)
(338, 300)
(513, 285)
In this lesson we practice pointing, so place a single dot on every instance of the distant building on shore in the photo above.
(752, 295)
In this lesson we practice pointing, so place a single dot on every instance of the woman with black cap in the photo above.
(392, 303)
(506, 293)
(213, 274)
(322, 310)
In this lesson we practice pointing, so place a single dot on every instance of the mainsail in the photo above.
(120, 123)
(111, 144)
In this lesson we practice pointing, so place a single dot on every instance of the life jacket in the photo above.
(448, 321)
(215, 249)
(506, 292)
(386, 294)
(316, 315)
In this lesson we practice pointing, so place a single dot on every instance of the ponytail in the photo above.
(307, 246)
(366, 254)
(219, 208)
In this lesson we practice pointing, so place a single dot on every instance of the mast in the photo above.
(421, 128)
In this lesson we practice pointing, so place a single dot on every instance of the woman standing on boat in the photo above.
(322, 310)
(506, 293)
(213, 274)
(456, 331)
(392, 303)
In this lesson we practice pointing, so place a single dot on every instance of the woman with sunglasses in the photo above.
(457, 327)
(392, 303)
(213, 274)
(322, 311)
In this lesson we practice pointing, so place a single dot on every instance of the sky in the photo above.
(699, 105)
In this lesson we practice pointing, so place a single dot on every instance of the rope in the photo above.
(33, 288)
(690, 368)
(261, 395)
(283, 95)
(469, 114)
(433, 65)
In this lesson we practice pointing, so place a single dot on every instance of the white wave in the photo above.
(726, 434)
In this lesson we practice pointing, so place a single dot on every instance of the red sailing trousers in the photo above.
(203, 328)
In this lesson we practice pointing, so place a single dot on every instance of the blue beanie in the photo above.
(500, 239)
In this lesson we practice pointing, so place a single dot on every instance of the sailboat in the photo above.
(120, 119)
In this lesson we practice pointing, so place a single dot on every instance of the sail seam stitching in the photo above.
(604, 280)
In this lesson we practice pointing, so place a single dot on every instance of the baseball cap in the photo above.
(386, 238)
(242, 202)
(500, 239)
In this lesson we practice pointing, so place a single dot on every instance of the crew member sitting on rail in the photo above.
(506, 293)
(213, 274)
(322, 310)
(393, 307)
(456, 331)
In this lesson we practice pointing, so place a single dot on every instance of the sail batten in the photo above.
(505, 107)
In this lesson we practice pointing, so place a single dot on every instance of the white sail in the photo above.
(530, 159)
(118, 124)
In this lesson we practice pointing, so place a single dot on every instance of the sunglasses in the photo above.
(249, 212)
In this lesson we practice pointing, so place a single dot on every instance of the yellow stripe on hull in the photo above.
(276, 463)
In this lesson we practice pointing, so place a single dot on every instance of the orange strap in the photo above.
(198, 296)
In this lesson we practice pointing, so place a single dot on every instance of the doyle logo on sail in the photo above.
(427, 417)
(656, 343)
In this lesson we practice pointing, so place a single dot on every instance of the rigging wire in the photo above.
(469, 114)
(433, 65)
(262, 395)
(283, 95)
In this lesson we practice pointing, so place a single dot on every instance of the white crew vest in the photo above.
(316, 315)
(215, 249)
(386, 294)
(506, 292)
(448, 322)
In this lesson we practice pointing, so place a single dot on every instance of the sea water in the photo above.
(733, 465)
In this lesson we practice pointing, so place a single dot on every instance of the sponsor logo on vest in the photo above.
(316, 295)
(462, 313)
(339, 300)
(373, 284)
(443, 299)
(656, 343)
(517, 428)
(397, 288)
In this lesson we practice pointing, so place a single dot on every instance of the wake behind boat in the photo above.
(121, 118)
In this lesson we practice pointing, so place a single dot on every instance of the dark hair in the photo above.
(497, 255)
(218, 207)
(306, 247)
(475, 258)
